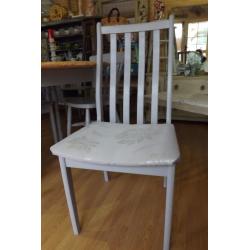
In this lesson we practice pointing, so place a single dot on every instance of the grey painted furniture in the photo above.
(47, 107)
(78, 103)
(190, 94)
(87, 103)
(54, 74)
(148, 149)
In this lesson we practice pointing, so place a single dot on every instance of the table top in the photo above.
(68, 64)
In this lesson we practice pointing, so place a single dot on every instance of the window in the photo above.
(178, 35)
(197, 36)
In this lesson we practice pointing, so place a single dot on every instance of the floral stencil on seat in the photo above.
(83, 143)
(135, 136)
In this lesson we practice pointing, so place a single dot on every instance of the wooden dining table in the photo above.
(54, 74)
(68, 72)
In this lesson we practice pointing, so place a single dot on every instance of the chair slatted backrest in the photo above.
(142, 28)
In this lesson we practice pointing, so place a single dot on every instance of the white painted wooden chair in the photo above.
(147, 149)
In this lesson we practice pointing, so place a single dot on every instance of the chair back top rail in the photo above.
(127, 29)
(139, 27)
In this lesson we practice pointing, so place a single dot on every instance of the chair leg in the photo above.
(58, 122)
(106, 176)
(69, 120)
(169, 207)
(53, 124)
(70, 197)
(165, 182)
(87, 117)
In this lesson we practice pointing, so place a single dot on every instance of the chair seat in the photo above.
(121, 144)
(79, 102)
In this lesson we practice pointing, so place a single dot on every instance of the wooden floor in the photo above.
(128, 212)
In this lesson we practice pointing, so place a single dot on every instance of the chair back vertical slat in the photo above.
(155, 76)
(141, 77)
(127, 69)
(170, 69)
(99, 73)
(116, 70)
(113, 78)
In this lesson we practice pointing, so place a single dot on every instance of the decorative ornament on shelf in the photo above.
(52, 45)
(142, 11)
(57, 12)
(90, 8)
(114, 20)
(80, 7)
(159, 10)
